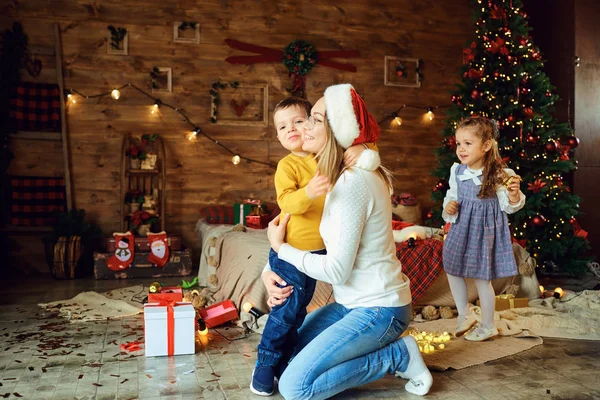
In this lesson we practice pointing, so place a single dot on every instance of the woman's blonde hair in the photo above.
(330, 160)
(493, 167)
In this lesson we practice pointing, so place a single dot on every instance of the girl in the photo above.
(478, 245)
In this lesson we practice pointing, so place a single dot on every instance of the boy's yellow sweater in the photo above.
(292, 175)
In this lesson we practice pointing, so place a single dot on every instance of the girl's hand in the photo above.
(514, 186)
(352, 153)
(452, 207)
(273, 283)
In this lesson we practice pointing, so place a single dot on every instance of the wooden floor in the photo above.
(46, 357)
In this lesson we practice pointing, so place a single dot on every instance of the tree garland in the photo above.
(215, 97)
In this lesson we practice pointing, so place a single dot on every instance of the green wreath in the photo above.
(299, 57)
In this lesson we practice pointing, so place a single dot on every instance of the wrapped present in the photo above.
(257, 221)
(219, 313)
(247, 207)
(509, 301)
(169, 328)
(169, 293)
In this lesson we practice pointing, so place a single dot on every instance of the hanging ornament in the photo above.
(528, 112)
(531, 138)
(440, 185)
(496, 74)
(429, 215)
(573, 142)
(523, 41)
(538, 221)
(548, 93)
(475, 94)
(522, 154)
(475, 73)
(450, 142)
(552, 146)
(536, 56)
(510, 118)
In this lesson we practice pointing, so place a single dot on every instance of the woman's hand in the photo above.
(277, 294)
(276, 231)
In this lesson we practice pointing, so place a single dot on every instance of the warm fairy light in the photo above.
(71, 98)
(202, 328)
(541, 289)
(558, 292)
(154, 109)
(115, 94)
(236, 159)
(398, 120)
(247, 306)
(430, 113)
(430, 341)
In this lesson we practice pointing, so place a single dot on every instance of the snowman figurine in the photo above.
(123, 253)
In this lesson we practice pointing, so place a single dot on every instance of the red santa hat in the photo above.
(348, 116)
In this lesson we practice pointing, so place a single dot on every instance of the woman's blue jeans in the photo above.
(341, 348)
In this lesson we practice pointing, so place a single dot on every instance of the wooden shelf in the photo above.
(143, 172)
(26, 229)
(30, 135)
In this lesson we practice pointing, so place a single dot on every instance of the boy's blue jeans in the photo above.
(281, 330)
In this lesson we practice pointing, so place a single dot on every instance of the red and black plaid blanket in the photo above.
(36, 107)
(34, 199)
(422, 264)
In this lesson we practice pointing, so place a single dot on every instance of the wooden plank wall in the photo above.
(199, 172)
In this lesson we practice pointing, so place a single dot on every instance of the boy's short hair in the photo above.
(293, 102)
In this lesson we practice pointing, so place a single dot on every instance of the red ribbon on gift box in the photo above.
(170, 323)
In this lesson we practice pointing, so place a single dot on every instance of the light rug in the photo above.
(93, 306)
(460, 353)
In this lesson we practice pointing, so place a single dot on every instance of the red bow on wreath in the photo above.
(299, 57)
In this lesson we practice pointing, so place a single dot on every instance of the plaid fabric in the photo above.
(36, 107)
(34, 199)
(422, 264)
(217, 214)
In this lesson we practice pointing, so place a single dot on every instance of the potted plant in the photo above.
(70, 247)
(134, 198)
(149, 144)
(136, 154)
(141, 221)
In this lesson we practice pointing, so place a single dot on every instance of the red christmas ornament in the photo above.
(536, 186)
(475, 94)
(551, 146)
(536, 56)
(509, 58)
(496, 74)
(538, 221)
(548, 94)
(475, 73)
(510, 118)
(531, 138)
(522, 154)
(523, 41)
(573, 142)
(528, 112)
(429, 215)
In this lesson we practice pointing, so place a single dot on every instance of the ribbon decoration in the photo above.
(266, 55)
(509, 297)
(170, 323)
(468, 175)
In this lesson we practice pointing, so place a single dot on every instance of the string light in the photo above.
(429, 115)
(116, 93)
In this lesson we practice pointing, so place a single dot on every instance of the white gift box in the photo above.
(156, 329)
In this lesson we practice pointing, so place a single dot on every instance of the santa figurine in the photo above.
(159, 248)
(123, 256)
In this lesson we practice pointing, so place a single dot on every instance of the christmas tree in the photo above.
(502, 78)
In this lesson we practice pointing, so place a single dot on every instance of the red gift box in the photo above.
(167, 293)
(219, 313)
(257, 221)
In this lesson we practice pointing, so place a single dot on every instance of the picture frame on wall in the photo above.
(246, 105)
(186, 32)
(161, 79)
(399, 71)
(118, 41)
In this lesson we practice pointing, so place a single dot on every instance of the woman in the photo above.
(354, 340)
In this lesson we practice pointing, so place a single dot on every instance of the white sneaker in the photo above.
(464, 324)
(481, 333)
(417, 373)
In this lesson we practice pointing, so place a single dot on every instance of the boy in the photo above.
(301, 193)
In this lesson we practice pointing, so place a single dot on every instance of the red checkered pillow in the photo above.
(217, 214)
